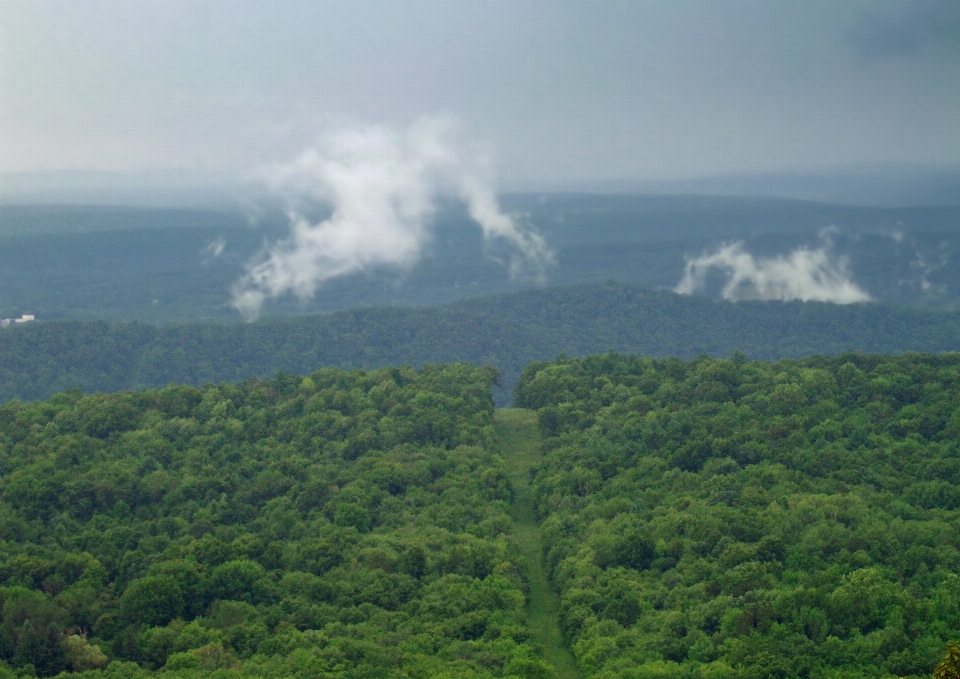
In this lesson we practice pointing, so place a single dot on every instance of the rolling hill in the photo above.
(508, 331)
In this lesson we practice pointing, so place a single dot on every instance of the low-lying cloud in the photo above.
(906, 29)
(382, 185)
(811, 275)
(215, 248)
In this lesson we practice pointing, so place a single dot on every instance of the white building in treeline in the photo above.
(25, 318)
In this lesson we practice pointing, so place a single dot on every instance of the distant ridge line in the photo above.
(508, 330)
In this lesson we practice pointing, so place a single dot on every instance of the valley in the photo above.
(174, 265)
(479, 340)
(450, 472)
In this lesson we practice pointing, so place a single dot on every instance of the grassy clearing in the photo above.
(517, 429)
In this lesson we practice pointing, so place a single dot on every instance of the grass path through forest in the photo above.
(517, 429)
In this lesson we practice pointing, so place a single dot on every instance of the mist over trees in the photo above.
(166, 265)
(479, 340)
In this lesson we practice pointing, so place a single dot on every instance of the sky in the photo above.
(546, 93)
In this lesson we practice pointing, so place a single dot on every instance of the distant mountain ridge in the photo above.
(164, 266)
(880, 184)
(508, 331)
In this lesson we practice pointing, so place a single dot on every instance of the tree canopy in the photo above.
(349, 524)
(507, 331)
(727, 518)
(706, 518)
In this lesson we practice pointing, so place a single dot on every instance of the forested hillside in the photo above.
(167, 265)
(726, 518)
(508, 331)
(718, 518)
(343, 524)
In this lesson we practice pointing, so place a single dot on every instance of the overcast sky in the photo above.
(555, 91)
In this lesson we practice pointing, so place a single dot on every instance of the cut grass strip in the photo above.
(520, 441)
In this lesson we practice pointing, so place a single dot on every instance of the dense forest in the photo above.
(345, 524)
(712, 518)
(728, 518)
(508, 331)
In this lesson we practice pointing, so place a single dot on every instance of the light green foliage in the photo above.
(347, 524)
(729, 518)
(80, 655)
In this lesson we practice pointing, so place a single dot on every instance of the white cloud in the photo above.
(805, 274)
(926, 267)
(382, 184)
(215, 248)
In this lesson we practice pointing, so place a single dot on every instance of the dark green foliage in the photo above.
(153, 600)
(509, 331)
(31, 632)
(348, 524)
(633, 550)
(725, 518)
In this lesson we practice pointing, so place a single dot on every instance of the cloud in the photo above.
(922, 264)
(917, 26)
(215, 248)
(382, 184)
(805, 274)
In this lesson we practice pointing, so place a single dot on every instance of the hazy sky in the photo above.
(554, 91)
